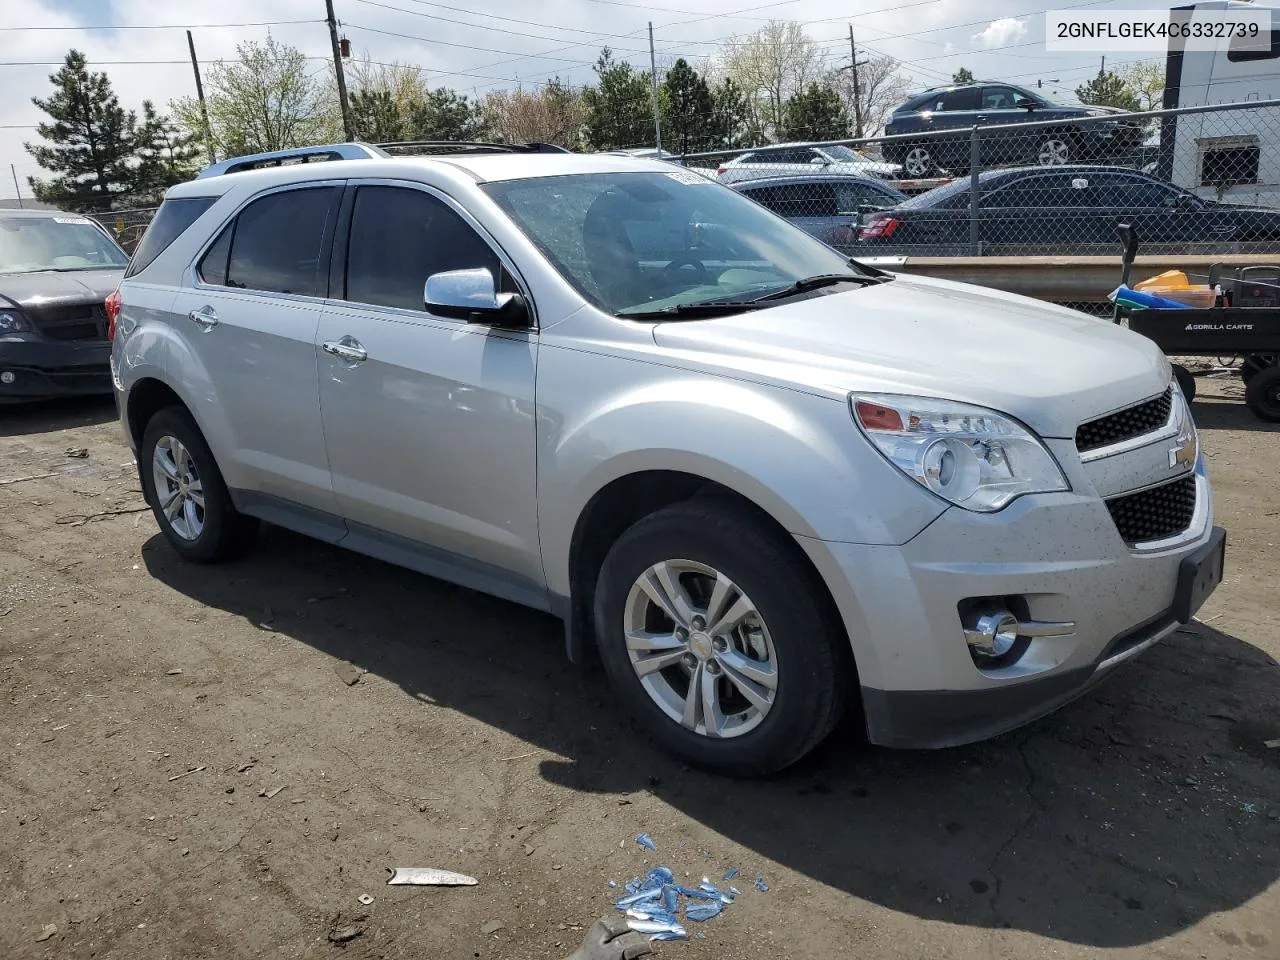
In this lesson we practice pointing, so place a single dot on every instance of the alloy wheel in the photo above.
(178, 487)
(700, 648)
(917, 162)
(1054, 152)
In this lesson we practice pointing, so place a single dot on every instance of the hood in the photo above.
(1048, 366)
(47, 288)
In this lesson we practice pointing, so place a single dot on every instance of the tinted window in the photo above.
(213, 265)
(277, 241)
(966, 99)
(1001, 98)
(1051, 190)
(1126, 192)
(169, 223)
(850, 196)
(797, 199)
(399, 238)
(1239, 49)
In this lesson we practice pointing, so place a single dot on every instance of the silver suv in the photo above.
(764, 482)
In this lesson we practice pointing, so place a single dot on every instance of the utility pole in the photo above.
(337, 67)
(204, 110)
(857, 93)
(17, 189)
(1103, 69)
(653, 76)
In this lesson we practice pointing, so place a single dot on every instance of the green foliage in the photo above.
(619, 107)
(688, 110)
(1108, 89)
(963, 75)
(166, 155)
(263, 100)
(815, 113)
(376, 117)
(446, 115)
(733, 121)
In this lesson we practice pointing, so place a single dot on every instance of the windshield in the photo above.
(642, 242)
(29, 244)
(844, 154)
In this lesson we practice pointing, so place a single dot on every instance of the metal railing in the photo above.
(126, 226)
(1202, 179)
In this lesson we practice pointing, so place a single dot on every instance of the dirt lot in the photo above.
(146, 705)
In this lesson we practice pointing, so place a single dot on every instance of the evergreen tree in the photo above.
(166, 155)
(733, 121)
(375, 116)
(619, 108)
(963, 75)
(446, 115)
(815, 113)
(688, 110)
(90, 143)
(1108, 89)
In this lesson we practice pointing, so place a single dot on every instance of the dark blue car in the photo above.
(827, 207)
(944, 116)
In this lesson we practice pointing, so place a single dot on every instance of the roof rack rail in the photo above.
(279, 158)
(427, 147)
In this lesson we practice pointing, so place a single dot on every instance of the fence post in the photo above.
(975, 234)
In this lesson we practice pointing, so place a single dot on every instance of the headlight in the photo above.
(973, 457)
(13, 322)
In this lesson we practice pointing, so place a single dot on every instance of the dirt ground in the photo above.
(147, 706)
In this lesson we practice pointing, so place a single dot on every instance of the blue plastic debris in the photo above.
(735, 891)
(697, 894)
(731, 873)
(633, 884)
(612, 884)
(761, 885)
(646, 841)
(671, 898)
(661, 929)
(703, 911)
(671, 935)
(659, 876)
(640, 896)
(652, 913)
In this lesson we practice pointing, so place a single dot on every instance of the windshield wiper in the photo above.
(815, 283)
(708, 308)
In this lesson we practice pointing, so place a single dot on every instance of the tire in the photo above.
(1255, 363)
(791, 631)
(209, 533)
(1262, 394)
(918, 162)
(1055, 150)
(1186, 382)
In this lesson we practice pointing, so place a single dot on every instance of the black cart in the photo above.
(1249, 331)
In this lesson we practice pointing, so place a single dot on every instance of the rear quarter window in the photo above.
(170, 222)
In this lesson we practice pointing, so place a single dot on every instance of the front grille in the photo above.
(1157, 513)
(82, 321)
(1125, 424)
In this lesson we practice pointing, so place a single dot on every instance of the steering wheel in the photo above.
(670, 271)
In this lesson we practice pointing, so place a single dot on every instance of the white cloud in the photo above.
(948, 47)
(1000, 33)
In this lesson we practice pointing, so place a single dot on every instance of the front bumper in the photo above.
(1059, 554)
(54, 368)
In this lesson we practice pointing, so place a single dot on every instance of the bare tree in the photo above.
(554, 114)
(772, 65)
(1146, 80)
(403, 83)
(881, 87)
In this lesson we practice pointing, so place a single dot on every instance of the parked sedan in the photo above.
(1067, 210)
(56, 269)
(829, 208)
(944, 116)
(785, 159)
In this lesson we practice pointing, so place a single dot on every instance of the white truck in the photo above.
(1233, 155)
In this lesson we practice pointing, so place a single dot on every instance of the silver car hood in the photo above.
(1048, 366)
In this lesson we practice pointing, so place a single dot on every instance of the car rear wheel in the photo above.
(1262, 394)
(918, 161)
(1054, 151)
(718, 640)
(185, 489)
(1255, 363)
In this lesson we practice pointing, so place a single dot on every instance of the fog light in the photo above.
(993, 635)
(8, 377)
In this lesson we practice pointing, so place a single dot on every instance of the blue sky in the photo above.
(518, 41)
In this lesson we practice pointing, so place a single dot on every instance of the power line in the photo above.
(462, 46)
(164, 26)
(493, 16)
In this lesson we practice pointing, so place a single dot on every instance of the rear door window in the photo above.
(275, 244)
(966, 99)
(1000, 98)
(1049, 190)
(170, 222)
(794, 200)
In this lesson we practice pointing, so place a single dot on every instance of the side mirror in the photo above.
(1026, 103)
(472, 295)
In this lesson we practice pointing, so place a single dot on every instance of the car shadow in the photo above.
(46, 416)
(1228, 413)
(1138, 811)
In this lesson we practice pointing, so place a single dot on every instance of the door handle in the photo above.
(348, 348)
(206, 318)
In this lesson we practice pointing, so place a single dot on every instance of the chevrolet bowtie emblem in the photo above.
(1184, 454)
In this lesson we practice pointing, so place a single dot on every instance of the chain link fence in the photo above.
(1202, 180)
(126, 226)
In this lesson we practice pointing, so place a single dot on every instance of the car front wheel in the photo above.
(718, 639)
(1054, 151)
(918, 161)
